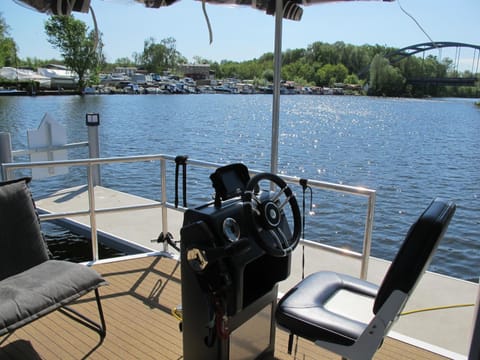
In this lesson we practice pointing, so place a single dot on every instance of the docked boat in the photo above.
(16, 74)
(60, 77)
(226, 89)
(11, 92)
(215, 296)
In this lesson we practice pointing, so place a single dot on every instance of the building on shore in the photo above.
(197, 72)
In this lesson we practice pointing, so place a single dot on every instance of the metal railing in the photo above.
(92, 211)
(26, 152)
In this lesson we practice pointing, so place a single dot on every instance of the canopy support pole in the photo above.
(277, 67)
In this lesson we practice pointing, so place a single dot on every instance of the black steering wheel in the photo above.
(268, 220)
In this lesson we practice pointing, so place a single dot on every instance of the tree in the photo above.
(352, 79)
(8, 48)
(200, 60)
(291, 56)
(124, 62)
(81, 49)
(268, 75)
(156, 58)
(34, 62)
(384, 78)
(329, 74)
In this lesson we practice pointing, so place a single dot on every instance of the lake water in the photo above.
(409, 150)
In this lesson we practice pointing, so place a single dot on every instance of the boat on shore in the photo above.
(11, 92)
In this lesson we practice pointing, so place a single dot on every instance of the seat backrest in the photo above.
(416, 251)
(21, 241)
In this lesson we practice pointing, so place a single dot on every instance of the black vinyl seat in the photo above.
(350, 316)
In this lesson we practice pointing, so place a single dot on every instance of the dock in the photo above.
(130, 231)
(438, 299)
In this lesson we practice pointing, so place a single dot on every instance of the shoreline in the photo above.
(73, 93)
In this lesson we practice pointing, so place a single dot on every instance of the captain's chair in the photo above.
(326, 307)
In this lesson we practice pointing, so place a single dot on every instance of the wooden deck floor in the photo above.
(137, 305)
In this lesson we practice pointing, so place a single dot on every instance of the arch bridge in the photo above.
(398, 55)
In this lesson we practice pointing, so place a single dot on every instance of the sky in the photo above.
(243, 33)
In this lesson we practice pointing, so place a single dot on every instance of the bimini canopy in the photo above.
(292, 9)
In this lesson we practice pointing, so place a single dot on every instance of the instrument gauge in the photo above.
(231, 229)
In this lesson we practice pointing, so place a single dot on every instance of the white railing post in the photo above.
(5, 152)
(91, 211)
(367, 239)
(163, 183)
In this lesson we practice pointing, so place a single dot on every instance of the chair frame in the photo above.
(99, 328)
(372, 337)
(73, 314)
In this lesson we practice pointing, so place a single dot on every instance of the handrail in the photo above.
(367, 237)
(8, 169)
(49, 148)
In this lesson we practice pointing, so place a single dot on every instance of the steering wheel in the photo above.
(266, 216)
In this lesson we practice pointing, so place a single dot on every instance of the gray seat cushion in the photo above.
(21, 241)
(41, 289)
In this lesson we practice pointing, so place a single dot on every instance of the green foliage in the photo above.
(330, 74)
(34, 63)
(352, 79)
(298, 69)
(268, 75)
(384, 78)
(199, 60)
(124, 62)
(157, 58)
(80, 49)
(292, 56)
(8, 48)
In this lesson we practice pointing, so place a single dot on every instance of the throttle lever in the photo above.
(199, 259)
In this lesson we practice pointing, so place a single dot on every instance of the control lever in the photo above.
(199, 259)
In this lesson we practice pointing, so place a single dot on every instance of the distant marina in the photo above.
(58, 80)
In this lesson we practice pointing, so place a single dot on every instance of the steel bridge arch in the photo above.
(398, 55)
(408, 51)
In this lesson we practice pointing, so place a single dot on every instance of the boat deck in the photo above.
(426, 329)
(137, 304)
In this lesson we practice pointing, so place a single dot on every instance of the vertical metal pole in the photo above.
(51, 170)
(91, 210)
(276, 86)
(367, 238)
(93, 122)
(5, 152)
(163, 177)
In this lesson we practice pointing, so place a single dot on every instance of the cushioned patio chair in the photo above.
(32, 285)
(349, 316)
